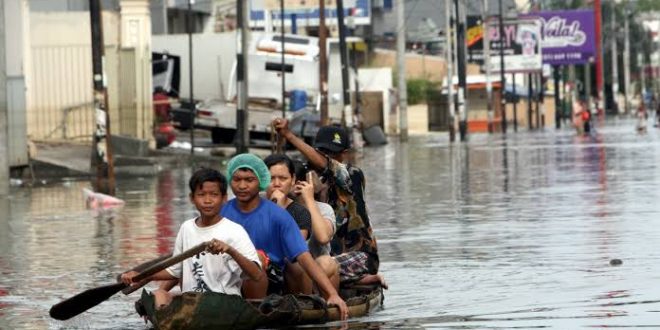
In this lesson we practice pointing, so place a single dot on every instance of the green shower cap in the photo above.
(253, 163)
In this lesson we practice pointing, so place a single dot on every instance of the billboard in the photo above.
(521, 44)
(474, 39)
(568, 36)
(306, 12)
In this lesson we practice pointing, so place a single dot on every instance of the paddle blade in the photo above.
(84, 301)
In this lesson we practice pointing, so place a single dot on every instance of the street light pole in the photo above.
(461, 61)
(343, 57)
(626, 59)
(102, 146)
(449, 47)
(615, 66)
(401, 69)
(4, 151)
(489, 85)
(242, 132)
(323, 65)
(502, 77)
(193, 107)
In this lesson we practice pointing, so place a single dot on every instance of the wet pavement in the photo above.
(514, 232)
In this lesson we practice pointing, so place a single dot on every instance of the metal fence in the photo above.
(61, 99)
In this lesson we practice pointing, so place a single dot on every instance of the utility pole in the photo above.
(599, 54)
(530, 90)
(558, 106)
(462, 67)
(282, 71)
(626, 59)
(615, 66)
(323, 65)
(401, 69)
(489, 84)
(356, 74)
(587, 86)
(343, 57)
(502, 77)
(242, 131)
(515, 102)
(540, 115)
(449, 46)
(4, 145)
(642, 78)
(193, 106)
(102, 146)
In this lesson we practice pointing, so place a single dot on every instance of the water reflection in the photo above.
(501, 232)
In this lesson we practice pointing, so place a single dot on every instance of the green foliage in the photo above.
(417, 90)
(648, 5)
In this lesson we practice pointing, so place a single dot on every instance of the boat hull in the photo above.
(210, 310)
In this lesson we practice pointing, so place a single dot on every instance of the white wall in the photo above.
(380, 80)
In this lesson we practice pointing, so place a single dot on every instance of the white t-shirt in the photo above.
(212, 272)
(315, 248)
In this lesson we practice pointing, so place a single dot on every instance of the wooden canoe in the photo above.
(210, 310)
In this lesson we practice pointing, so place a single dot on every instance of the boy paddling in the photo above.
(231, 256)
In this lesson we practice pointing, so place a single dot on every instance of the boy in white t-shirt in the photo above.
(231, 256)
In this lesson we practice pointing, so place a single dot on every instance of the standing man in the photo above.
(354, 243)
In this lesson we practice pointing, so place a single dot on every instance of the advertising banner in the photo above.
(568, 36)
(474, 38)
(306, 12)
(521, 44)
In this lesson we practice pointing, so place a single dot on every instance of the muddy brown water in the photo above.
(514, 232)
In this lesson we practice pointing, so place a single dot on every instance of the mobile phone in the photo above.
(310, 177)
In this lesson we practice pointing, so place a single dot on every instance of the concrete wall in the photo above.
(16, 24)
(70, 5)
(4, 164)
(418, 66)
(380, 80)
(59, 74)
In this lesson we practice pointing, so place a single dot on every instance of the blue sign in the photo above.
(361, 15)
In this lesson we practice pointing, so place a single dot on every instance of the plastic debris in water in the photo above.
(96, 200)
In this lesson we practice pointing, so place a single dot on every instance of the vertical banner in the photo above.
(568, 36)
(474, 38)
(521, 44)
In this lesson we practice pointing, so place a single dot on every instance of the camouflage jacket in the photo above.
(346, 196)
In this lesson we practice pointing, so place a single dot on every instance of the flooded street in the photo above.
(514, 232)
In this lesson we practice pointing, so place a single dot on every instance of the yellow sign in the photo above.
(474, 34)
(298, 4)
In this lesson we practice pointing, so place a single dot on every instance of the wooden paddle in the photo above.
(141, 268)
(83, 301)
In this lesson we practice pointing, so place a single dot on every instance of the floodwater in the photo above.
(514, 232)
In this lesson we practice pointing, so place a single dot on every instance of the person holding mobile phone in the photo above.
(306, 189)
(354, 243)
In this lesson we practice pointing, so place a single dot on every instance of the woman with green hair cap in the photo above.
(272, 230)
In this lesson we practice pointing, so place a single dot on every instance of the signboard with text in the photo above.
(521, 44)
(568, 36)
(306, 12)
(474, 39)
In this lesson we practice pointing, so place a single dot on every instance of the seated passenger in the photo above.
(272, 230)
(232, 255)
(354, 244)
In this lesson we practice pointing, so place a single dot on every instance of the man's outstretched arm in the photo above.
(317, 159)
